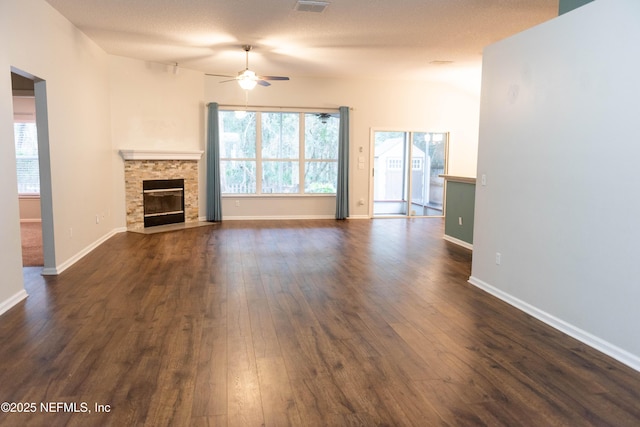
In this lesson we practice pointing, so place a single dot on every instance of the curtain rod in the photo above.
(280, 107)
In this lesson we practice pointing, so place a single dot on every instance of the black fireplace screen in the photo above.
(163, 201)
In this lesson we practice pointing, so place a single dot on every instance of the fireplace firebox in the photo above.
(163, 201)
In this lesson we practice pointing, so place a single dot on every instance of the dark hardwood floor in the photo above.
(302, 323)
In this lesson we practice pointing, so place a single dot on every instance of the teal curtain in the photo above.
(342, 192)
(214, 194)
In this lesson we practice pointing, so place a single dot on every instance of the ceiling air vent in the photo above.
(311, 6)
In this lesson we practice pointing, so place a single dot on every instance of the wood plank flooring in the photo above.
(299, 323)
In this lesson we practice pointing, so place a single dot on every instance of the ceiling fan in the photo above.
(324, 117)
(248, 79)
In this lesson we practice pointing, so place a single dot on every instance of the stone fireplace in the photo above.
(161, 167)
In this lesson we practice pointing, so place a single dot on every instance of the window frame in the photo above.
(32, 157)
(301, 161)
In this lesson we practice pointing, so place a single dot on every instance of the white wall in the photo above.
(11, 288)
(382, 104)
(34, 38)
(558, 145)
(153, 109)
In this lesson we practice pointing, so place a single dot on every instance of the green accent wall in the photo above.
(568, 5)
(460, 203)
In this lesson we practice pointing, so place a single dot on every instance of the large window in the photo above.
(278, 152)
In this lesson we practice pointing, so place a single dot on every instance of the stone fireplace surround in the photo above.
(140, 165)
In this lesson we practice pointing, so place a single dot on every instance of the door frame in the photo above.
(44, 166)
(411, 132)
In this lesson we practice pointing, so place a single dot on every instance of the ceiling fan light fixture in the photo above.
(247, 79)
(247, 83)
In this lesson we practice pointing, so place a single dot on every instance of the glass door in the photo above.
(390, 173)
(429, 160)
(406, 179)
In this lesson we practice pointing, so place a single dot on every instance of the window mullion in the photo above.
(258, 152)
(301, 153)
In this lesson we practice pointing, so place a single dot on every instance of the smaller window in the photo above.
(416, 163)
(395, 164)
(26, 140)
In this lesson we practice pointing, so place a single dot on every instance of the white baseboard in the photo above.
(458, 242)
(247, 218)
(599, 344)
(10, 302)
(359, 217)
(275, 218)
(48, 271)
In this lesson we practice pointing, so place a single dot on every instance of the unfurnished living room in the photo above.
(319, 213)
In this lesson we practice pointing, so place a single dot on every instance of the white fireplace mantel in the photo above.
(160, 155)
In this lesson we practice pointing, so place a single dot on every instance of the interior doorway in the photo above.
(406, 173)
(28, 171)
(34, 170)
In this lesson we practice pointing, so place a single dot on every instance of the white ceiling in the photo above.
(406, 39)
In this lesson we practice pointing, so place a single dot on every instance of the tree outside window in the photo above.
(280, 153)
(238, 152)
(321, 153)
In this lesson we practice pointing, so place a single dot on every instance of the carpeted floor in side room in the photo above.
(31, 235)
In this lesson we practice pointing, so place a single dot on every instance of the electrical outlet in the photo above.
(459, 220)
(237, 203)
(483, 179)
(498, 258)
(97, 219)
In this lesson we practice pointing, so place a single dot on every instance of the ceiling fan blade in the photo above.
(263, 83)
(226, 81)
(273, 78)
(219, 75)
